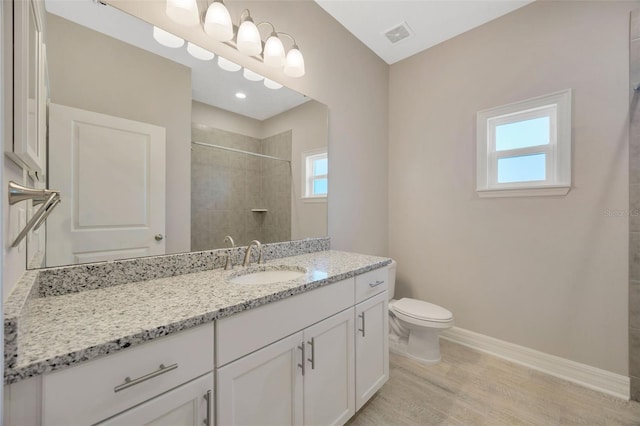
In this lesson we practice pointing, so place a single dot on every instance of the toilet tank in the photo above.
(392, 278)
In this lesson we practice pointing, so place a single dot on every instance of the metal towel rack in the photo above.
(47, 197)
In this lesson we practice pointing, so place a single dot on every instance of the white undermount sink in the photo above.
(268, 276)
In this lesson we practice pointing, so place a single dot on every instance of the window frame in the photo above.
(557, 152)
(308, 157)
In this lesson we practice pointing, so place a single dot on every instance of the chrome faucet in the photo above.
(247, 256)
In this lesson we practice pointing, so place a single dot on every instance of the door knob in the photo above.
(159, 237)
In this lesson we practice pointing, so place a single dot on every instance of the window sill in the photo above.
(314, 199)
(540, 191)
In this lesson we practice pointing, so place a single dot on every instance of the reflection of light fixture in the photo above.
(167, 39)
(199, 53)
(227, 65)
(248, 38)
(252, 76)
(272, 84)
(241, 95)
(218, 25)
(217, 22)
(184, 12)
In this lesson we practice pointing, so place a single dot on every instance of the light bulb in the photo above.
(217, 22)
(241, 95)
(294, 65)
(273, 54)
(199, 53)
(166, 38)
(248, 39)
(184, 12)
(227, 65)
(272, 84)
(252, 76)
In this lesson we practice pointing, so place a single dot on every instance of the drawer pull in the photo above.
(128, 382)
(376, 284)
(312, 360)
(362, 329)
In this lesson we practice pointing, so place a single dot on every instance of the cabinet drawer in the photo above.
(86, 394)
(371, 283)
(243, 333)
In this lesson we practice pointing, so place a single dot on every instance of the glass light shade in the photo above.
(248, 39)
(273, 54)
(294, 64)
(252, 76)
(166, 38)
(217, 22)
(199, 53)
(184, 12)
(272, 84)
(227, 65)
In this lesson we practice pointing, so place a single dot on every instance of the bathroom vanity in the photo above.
(199, 349)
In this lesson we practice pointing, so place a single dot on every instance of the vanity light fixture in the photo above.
(184, 12)
(270, 84)
(245, 37)
(167, 39)
(217, 22)
(227, 65)
(252, 76)
(199, 53)
(241, 95)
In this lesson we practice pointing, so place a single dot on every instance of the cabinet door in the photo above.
(263, 388)
(29, 94)
(188, 405)
(372, 347)
(329, 374)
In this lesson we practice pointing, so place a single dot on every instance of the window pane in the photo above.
(522, 134)
(320, 186)
(524, 168)
(320, 167)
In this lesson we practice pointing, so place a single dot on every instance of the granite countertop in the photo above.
(61, 331)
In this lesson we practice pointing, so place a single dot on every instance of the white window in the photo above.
(316, 167)
(524, 148)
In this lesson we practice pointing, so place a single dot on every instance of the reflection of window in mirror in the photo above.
(315, 165)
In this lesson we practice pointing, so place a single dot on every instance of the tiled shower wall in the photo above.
(634, 209)
(226, 186)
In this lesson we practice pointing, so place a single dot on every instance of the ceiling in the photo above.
(430, 21)
(209, 83)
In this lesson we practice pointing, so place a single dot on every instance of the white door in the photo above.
(372, 347)
(263, 388)
(111, 175)
(329, 377)
(188, 405)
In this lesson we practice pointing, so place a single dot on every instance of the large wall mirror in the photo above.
(156, 151)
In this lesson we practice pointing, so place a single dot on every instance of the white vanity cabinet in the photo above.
(371, 334)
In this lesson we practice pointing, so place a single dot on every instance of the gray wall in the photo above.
(91, 71)
(634, 209)
(548, 273)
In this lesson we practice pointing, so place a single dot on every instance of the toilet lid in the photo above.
(422, 310)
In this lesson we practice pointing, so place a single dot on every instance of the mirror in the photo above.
(154, 154)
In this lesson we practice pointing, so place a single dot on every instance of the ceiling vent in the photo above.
(398, 33)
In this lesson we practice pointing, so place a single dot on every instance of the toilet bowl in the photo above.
(415, 325)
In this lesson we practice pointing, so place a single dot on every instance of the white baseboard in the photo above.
(591, 377)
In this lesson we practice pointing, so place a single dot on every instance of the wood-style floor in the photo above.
(472, 388)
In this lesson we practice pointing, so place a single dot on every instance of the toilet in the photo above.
(415, 325)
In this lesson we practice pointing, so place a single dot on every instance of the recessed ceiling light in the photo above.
(241, 95)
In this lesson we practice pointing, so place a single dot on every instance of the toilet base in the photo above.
(400, 345)
(424, 345)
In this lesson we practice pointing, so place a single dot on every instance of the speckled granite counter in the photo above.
(60, 331)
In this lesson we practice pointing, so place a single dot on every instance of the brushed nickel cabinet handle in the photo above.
(207, 420)
(128, 382)
(303, 358)
(362, 329)
(312, 343)
(376, 284)
(159, 237)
